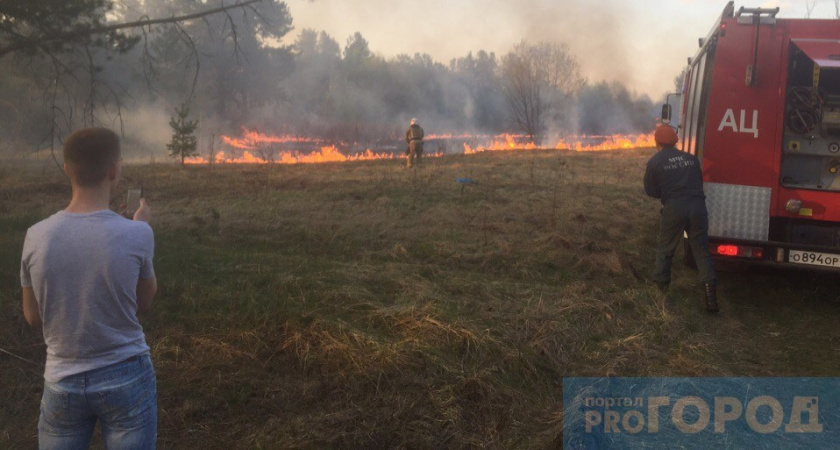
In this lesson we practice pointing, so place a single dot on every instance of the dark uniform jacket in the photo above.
(673, 174)
(414, 133)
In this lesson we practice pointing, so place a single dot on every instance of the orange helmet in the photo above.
(665, 135)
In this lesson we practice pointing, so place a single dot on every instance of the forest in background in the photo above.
(231, 71)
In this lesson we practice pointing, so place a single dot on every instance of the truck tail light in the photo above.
(738, 251)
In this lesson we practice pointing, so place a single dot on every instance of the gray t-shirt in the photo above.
(84, 270)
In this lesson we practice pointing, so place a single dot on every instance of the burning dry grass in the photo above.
(254, 147)
(363, 305)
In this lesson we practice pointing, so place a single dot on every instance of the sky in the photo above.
(643, 44)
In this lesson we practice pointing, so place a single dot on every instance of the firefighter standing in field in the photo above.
(675, 178)
(414, 138)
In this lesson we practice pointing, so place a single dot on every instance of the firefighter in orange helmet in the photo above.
(674, 177)
(414, 138)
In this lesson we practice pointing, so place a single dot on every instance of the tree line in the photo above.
(101, 62)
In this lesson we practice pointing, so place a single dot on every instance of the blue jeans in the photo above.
(122, 396)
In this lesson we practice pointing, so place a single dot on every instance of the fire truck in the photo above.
(761, 110)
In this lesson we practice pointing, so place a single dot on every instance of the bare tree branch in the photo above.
(90, 104)
(186, 38)
(80, 33)
(538, 80)
(809, 8)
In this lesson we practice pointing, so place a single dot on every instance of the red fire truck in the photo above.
(761, 109)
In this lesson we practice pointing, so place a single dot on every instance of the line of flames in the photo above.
(254, 148)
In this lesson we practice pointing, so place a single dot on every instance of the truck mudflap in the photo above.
(774, 253)
(737, 211)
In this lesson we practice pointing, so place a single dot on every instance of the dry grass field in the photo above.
(363, 305)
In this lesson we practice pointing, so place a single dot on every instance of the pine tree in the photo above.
(184, 142)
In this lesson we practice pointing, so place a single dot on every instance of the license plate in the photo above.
(814, 258)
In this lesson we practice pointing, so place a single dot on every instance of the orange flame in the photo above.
(258, 149)
(326, 154)
(251, 140)
(614, 142)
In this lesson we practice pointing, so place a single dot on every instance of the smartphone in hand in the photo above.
(132, 201)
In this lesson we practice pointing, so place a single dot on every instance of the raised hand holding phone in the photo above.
(132, 202)
(144, 212)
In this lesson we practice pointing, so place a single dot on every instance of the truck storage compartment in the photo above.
(811, 144)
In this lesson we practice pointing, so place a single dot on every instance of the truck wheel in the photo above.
(688, 255)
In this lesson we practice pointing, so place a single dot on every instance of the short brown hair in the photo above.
(89, 154)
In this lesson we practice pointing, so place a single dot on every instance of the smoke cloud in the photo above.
(357, 75)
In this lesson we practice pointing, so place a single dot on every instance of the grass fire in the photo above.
(246, 231)
(258, 148)
(360, 304)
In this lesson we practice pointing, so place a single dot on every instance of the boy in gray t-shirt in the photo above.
(86, 272)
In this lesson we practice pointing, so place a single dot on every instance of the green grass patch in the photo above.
(365, 305)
